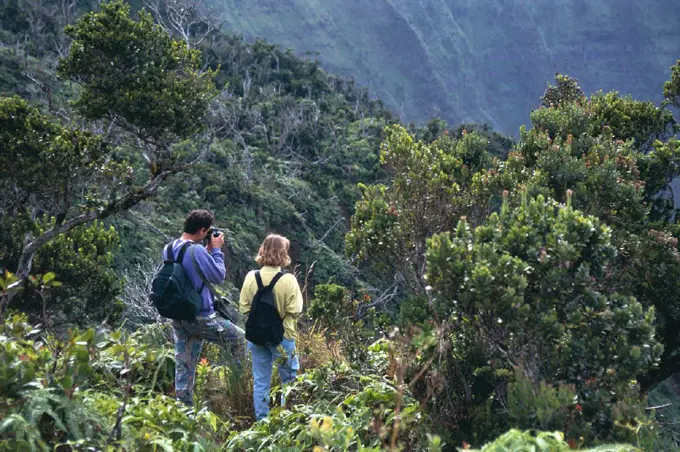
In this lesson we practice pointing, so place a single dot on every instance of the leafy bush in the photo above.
(99, 389)
(428, 194)
(594, 148)
(113, 391)
(498, 283)
(527, 283)
(83, 257)
(92, 390)
(337, 408)
(349, 323)
(542, 442)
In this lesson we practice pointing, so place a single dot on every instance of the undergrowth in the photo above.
(112, 390)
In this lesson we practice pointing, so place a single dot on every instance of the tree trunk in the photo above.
(119, 205)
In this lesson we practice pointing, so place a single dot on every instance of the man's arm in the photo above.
(211, 264)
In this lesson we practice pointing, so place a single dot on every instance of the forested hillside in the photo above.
(481, 61)
(287, 145)
(461, 290)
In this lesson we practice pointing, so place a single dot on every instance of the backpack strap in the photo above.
(272, 283)
(200, 273)
(167, 253)
(260, 286)
(182, 252)
(258, 278)
(275, 279)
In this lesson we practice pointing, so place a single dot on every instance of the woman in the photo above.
(272, 256)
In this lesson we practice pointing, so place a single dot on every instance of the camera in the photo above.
(214, 232)
(226, 309)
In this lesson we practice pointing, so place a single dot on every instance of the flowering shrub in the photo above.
(527, 283)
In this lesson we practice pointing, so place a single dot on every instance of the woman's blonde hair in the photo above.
(274, 251)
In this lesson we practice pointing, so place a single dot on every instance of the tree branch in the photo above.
(339, 220)
(383, 299)
(137, 218)
(124, 203)
(658, 407)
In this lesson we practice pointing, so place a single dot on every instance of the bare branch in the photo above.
(189, 20)
(138, 309)
(305, 287)
(337, 222)
(133, 215)
(384, 298)
(658, 407)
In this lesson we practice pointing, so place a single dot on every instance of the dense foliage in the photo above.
(110, 390)
(59, 178)
(500, 285)
(135, 76)
(594, 149)
(46, 168)
(526, 283)
(457, 285)
(429, 191)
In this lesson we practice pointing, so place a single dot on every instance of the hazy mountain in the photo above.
(475, 60)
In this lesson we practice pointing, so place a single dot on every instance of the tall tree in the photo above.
(135, 79)
(428, 194)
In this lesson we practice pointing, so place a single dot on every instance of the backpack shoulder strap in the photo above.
(198, 270)
(182, 251)
(167, 253)
(275, 279)
(255, 303)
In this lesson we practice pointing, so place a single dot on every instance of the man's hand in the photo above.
(216, 242)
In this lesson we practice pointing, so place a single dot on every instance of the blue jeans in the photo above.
(264, 358)
(189, 337)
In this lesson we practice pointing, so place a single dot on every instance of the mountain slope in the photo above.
(483, 60)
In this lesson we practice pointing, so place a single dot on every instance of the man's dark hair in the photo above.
(198, 219)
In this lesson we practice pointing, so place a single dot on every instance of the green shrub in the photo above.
(516, 440)
(526, 282)
(102, 390)
(337, 408)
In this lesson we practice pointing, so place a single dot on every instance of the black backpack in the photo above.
(172, 293)
(264, 325)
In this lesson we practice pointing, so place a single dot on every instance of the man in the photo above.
(203, 266)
